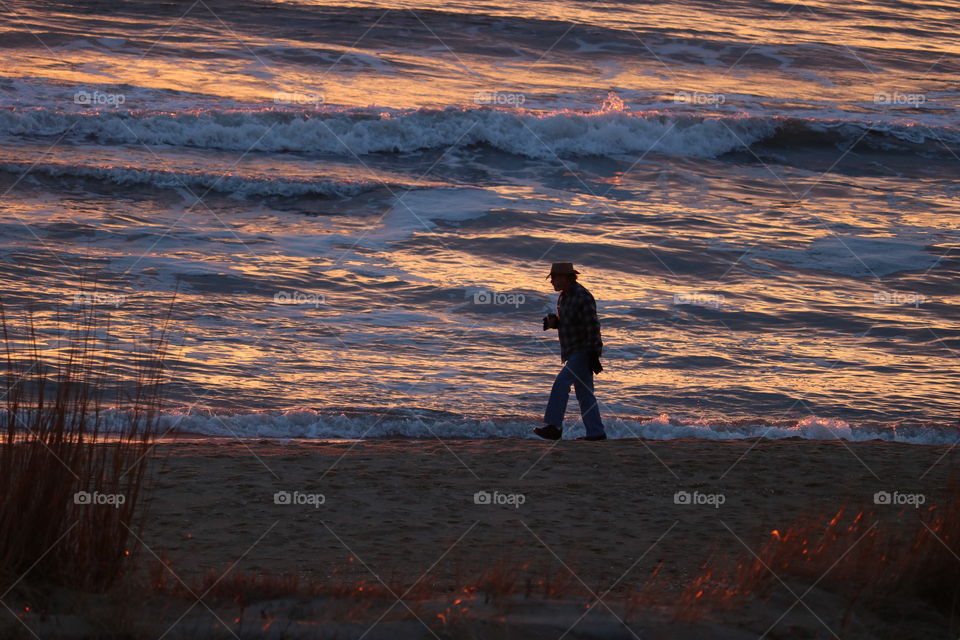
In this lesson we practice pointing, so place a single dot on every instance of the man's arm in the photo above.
(591, 331)
(592, 324)
(583, 321)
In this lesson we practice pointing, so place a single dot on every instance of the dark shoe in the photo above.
(548, 432)
(600, 437)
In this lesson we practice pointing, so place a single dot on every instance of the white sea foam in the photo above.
(315, 425)
(352, 132)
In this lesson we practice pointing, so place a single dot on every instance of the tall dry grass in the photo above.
(867, 560)
(65, 459)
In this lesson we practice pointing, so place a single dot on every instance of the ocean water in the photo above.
(349, 209)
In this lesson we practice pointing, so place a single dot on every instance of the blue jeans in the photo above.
(577, 372)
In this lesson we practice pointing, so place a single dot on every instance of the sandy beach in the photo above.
(403, 504)
(601, 516)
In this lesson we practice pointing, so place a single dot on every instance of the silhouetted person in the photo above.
(577, 324)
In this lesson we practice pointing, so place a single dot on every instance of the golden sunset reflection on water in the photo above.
(353, 206)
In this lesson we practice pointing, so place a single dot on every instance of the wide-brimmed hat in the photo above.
(562, 269)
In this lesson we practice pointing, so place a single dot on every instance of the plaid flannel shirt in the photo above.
(578, 326)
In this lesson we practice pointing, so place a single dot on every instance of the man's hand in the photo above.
(550, 321)
(595, 365)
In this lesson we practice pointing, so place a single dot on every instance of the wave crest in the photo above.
(541, 135)
(318, 425)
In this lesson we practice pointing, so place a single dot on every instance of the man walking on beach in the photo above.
(577, 324)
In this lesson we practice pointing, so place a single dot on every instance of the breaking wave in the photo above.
(544, 135)
(409, 424)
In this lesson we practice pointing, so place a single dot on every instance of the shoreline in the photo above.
(654, 429)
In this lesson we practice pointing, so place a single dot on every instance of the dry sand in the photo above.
(599, 515)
